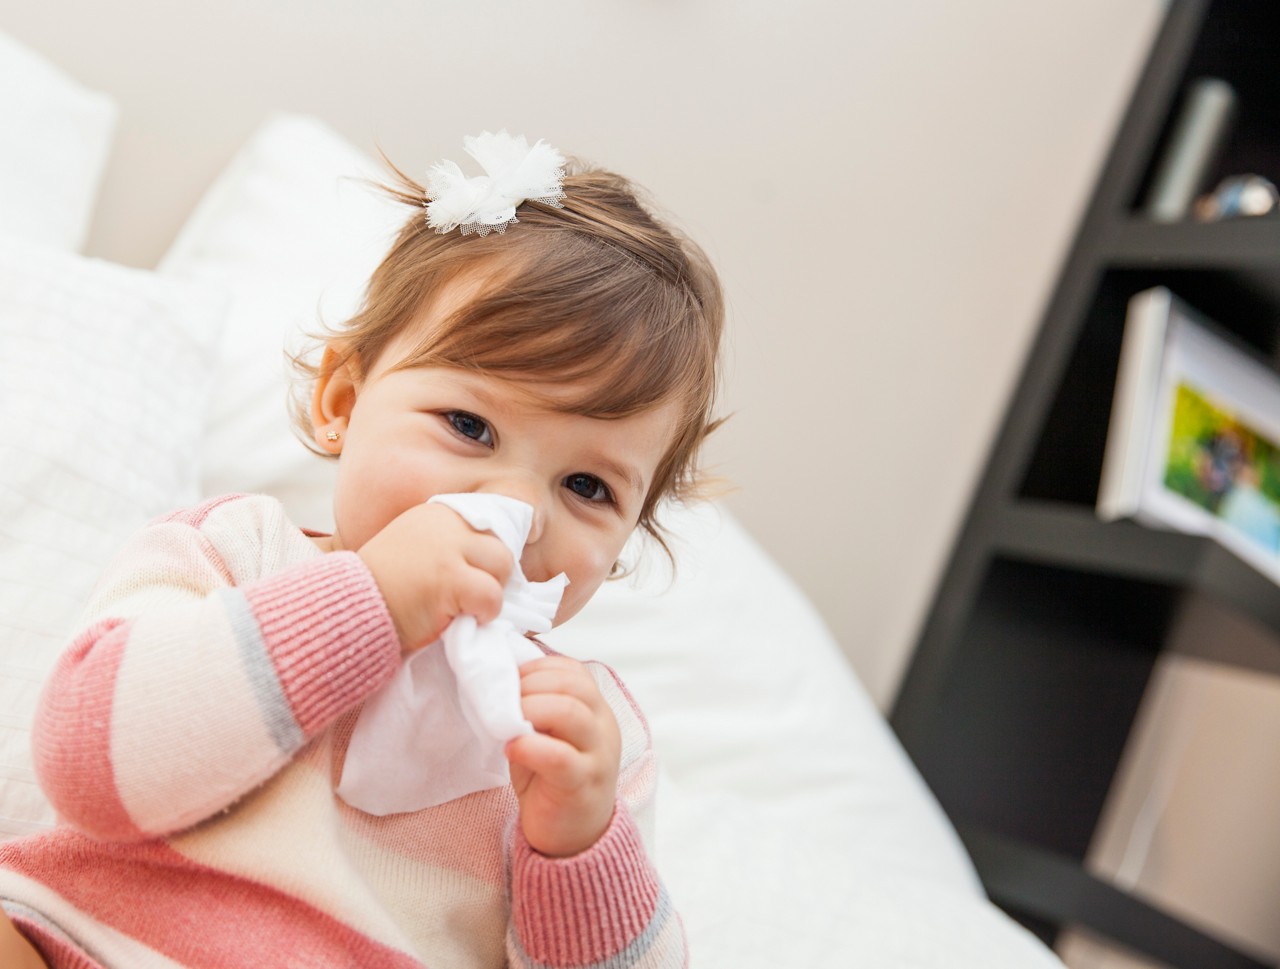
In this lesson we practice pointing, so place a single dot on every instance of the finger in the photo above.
(541, 663)
(554, 689)
(477, 593)
(487, 553)
(559, 674)
(565, 718)
(553, 760)
(481, 549)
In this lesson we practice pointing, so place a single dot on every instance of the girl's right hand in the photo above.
(431, 566)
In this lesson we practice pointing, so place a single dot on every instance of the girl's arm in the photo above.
(604, 904)
(208, 663)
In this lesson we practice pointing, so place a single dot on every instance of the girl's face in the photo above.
(409, 434)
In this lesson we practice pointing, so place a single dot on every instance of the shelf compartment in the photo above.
(1237, 45)
(1072, 537)
(1030, 711)
(1030, 881)
(1233, 40)
(1065, 463)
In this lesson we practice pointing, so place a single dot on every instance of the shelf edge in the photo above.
(1225, 244)
(1036, 882)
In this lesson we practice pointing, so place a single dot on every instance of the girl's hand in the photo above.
(566, 774)
(431, 566)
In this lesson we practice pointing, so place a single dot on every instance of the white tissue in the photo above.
(437, 731)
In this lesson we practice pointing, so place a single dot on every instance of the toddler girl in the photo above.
(537, 336)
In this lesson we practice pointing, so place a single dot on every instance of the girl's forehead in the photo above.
(526, 391)
(446, 300)
(427, 323)
(599, 357)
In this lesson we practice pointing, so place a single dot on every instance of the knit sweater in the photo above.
(191, 736)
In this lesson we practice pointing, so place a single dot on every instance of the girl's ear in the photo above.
(333, 398)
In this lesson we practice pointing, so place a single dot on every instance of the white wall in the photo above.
(888, 188)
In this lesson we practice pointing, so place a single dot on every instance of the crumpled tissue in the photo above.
(438, 729)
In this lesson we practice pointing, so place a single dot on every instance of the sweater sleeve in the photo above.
(196, 678)
(606, 906)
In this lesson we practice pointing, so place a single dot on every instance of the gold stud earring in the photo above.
(332, 436)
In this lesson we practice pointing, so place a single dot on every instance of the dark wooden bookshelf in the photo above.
(1047, 622)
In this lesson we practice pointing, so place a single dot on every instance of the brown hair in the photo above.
(597, 292)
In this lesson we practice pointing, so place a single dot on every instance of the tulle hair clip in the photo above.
(514, 172)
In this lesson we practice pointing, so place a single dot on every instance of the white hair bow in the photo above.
(514, 173)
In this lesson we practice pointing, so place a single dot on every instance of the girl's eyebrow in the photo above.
(490, 399)
(626, 472)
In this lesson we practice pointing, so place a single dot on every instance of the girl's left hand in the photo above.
(565, 775)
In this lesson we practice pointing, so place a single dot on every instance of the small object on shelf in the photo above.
(1194, 439)
(1198, 133)
(1236, 196)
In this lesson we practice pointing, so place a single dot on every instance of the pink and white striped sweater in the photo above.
(191, 737)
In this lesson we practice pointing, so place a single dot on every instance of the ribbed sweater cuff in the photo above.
(582, 910)
(53, 948)
(328, 632)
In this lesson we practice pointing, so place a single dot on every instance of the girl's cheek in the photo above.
(583, 586)
(595, 567)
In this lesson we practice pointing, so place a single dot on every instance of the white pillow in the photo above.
(104, 395)
(293, 230)
(56, 135)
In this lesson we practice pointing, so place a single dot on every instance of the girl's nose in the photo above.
(530, 494)
(539, 520)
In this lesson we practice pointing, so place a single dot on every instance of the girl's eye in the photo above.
(589, 487)
(470, 426)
